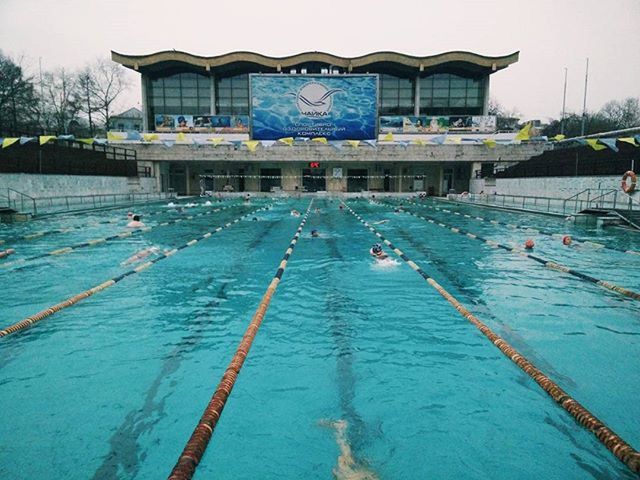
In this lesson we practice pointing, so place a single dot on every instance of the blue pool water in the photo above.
(113, 386)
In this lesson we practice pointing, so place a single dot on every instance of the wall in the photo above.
(554, 187)
(36, 185)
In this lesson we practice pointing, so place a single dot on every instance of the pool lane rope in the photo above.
(38, 317)
(124, 234)
(614, 443)
(197, 444)
(527, 229)
(519, 251)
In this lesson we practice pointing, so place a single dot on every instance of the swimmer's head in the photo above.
(314, 233)
(566, 240)
(255, 219)
(376, 249)
(136, 218)
(529, 244)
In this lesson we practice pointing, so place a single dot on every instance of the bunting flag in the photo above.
(251, 144)
(302, 139)
(267, 143)
(46, 138)
(611, 143)
(637, 137)
(134, 135)
(236, 144)
(524, 133)
(354, 143)
(593, 143)
(168, 143)
(320, 140)
(629, 140)
(440, 139)
(7, 142)
(581, 141)
(419, 142)
(116, 136)
(454, 140)
(404, 143)
(337, 144)
(150, 137)
(197, 142)
(215, 140)
(100, 141)
(88, 141)
(388, 137)
(371, 143)
(489, 142)
(24, 140)
(181, 137)
(558, 137)
(66, 137)
(287, 140)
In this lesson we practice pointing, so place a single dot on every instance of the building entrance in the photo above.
(357, 180)
(313, 179)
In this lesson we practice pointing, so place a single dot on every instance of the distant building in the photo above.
(129, 120)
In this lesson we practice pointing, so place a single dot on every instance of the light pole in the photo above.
(564, 98)
(584, 104)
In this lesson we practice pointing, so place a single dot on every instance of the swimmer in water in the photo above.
(347, 467)
(135, 222)
(315, 233)
(377, 252)
(141, 255)
(380, 222)
(295, 213)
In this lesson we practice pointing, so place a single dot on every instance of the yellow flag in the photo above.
(88, 141)
(388, 137)
(150, 137)
(215, 140)
(629, 140)
(117, 136)
(419, 142)
(251, 144)
(181, 137)
(354, 143)
(593, 143)
(454, 140)
(319, 140)
(524, 133)
(558, 137)
(45, 138)
(287, 140)
(7, 142)
(489, 142)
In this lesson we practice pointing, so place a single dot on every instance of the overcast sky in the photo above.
(550, 35)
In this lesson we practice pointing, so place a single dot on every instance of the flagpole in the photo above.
(584, 104)
(564, 99)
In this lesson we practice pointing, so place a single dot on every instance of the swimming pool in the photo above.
(113, 386)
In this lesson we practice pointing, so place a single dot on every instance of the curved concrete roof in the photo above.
(174, 57)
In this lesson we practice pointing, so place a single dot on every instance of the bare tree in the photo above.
(85, 86)
(60, 103)
(18, 101)
(108, 82)
(622, 114)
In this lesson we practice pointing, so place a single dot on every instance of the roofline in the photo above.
(137, 62)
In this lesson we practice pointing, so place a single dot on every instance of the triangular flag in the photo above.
(337, 144)
(181, 137)
(168, 143)
(419, 141)
(215, 140)
(611, 143)
(319, 140)
(454, 140)
(133, 135)
(301, 139)
(581, 141)
(251, 144)
(371, 143)
(404, 143)
(46, 138)
(236, 144)
(267, 143)
(24, 140)
(150, 137)
(637, 137)
(388, 137)
(440, 139)
(354, 143)
(558, 137)
(593, 143)
(286, 140)
(489, 142)
(88, 141)
(7, 142)
(197, 141)
(115, 136)
(628, 140)
(66, 137)
(100, 141)
(524, 132)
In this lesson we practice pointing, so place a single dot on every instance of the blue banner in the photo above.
(340, 107)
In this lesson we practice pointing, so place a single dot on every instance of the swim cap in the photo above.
(566, 240)
(529, 244)
(377, 248)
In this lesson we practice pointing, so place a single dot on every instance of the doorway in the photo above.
(419, 183)
(447, 180)
(387, 180)
(357, 180)
(314, 180)
(270, 179)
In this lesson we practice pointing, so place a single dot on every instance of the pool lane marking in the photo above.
(197, 444)
(124, 234)
(526, 229)
(37, 317)
(614, 443)
(546, 263)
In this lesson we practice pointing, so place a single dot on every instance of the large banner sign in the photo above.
(438, 124)
(336, 107)
(202, 123)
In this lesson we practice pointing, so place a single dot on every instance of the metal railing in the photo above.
(584, 199)
(520, 202)
(21, 202)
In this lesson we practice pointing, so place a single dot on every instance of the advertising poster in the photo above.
(438, 124)
(337, 107)
(202, 123)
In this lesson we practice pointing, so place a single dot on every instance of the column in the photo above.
(212, 89)
(416, 99)
(187, 175)
(145, 111)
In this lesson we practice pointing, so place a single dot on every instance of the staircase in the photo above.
(632, 217)
(611, 206)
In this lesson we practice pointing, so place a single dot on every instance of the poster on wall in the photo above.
(202, 123)
(337, 107)
(438, 124)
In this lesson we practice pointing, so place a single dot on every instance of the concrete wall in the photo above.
(554, 187)
(36, 185)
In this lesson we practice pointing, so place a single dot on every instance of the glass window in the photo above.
(172, 92)
(190, 92)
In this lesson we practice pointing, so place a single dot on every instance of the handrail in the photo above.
(22, 196)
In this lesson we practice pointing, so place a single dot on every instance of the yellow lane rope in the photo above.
(197, 444)
(621, 449)
(39, 316)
